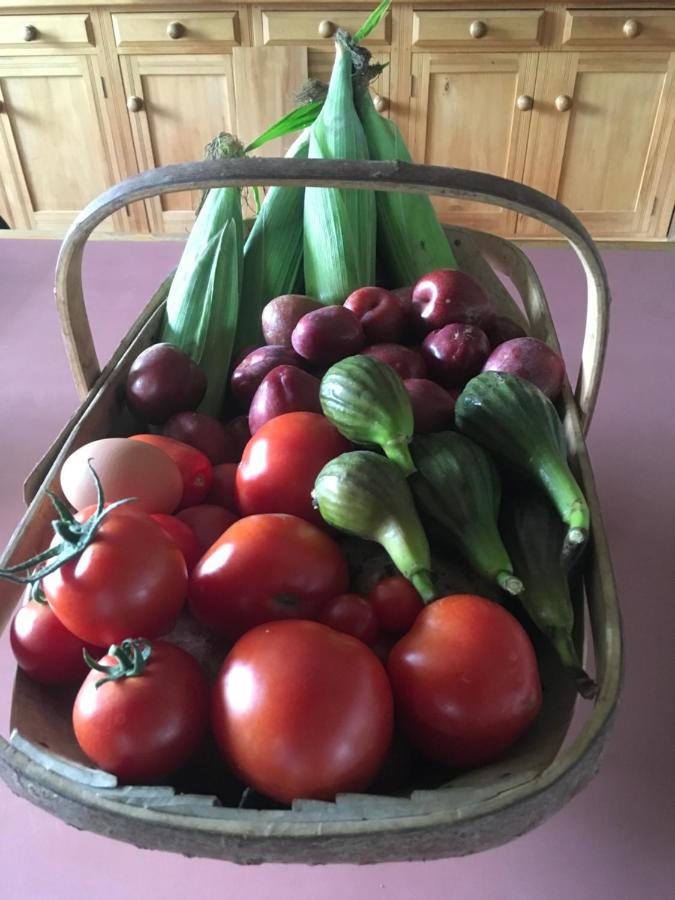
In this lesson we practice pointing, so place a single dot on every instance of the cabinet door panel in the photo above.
(53, 156)
(603, 156)
(466, 116)
(186, 101)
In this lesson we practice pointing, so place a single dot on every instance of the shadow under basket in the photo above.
(432, 813)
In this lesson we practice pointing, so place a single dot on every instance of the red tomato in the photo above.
(184, 537)
(207, 523)
(223, 491)
(194, 466)
(131, 579)
(396, 604)
(281, 461)
(465, 681)
(352, 614)
(142, 728)
(264, 568)
(300, 710)
(44, 648)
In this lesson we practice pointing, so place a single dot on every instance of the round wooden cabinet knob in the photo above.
(380, 103)
(563, 103)
(327, 29)
(134, 104)
(30, 33)
(631, 28)
(175, 30)
(524, 102)
(477, 29)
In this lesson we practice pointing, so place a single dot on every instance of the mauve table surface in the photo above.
(616, 839)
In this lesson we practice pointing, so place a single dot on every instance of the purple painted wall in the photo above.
(615, 839)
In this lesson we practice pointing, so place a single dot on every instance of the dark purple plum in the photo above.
(447, 296)
(162, 381)
(383, 315)
(255, 365)
(433, 406)
(532, 360)
(408, 363)
(206, 434)
(327, 335)
(283, 390)
(455, 353)
(281, 315)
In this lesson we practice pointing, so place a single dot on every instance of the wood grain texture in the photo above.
(55, 103)
(465, 104)
(147, 32)
(265, 82)
(605, 28)
(514, 29)
(620, 104)
(72, 30)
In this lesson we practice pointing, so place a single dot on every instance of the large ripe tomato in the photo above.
(144, 727)
(44, 648)
(131, 579)
(264, 568)
(465, 681)
(301, 710)
(281, 461)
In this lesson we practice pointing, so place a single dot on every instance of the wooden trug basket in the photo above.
(468, 813)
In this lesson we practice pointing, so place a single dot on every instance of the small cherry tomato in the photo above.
(184, 537)
(281, 461)
(301, 710)
(193, 465)
(465, 681)
(44, 648)
(223, 492)
(142, 727)
(264, 568)
(352, 614)
(396, 604)
(207, 522)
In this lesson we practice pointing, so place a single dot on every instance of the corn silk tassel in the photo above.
(339, 223)
(272, 253)
(203, 301)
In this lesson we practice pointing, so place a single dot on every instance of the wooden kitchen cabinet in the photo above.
(576, 100)
(55, 140)
(472, 111)
(596, 138)
(176, 105)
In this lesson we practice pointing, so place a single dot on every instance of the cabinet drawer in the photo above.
(619, 27)
(182, 32)
(287, 26)
(29, 31)
(513, 29)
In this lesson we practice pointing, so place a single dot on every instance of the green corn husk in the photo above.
(339, 224)
(203, 301)
(410, 239)
(272, 253)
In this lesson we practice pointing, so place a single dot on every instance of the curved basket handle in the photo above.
(370, 175)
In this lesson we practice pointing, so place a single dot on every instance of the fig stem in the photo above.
(398, 452)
